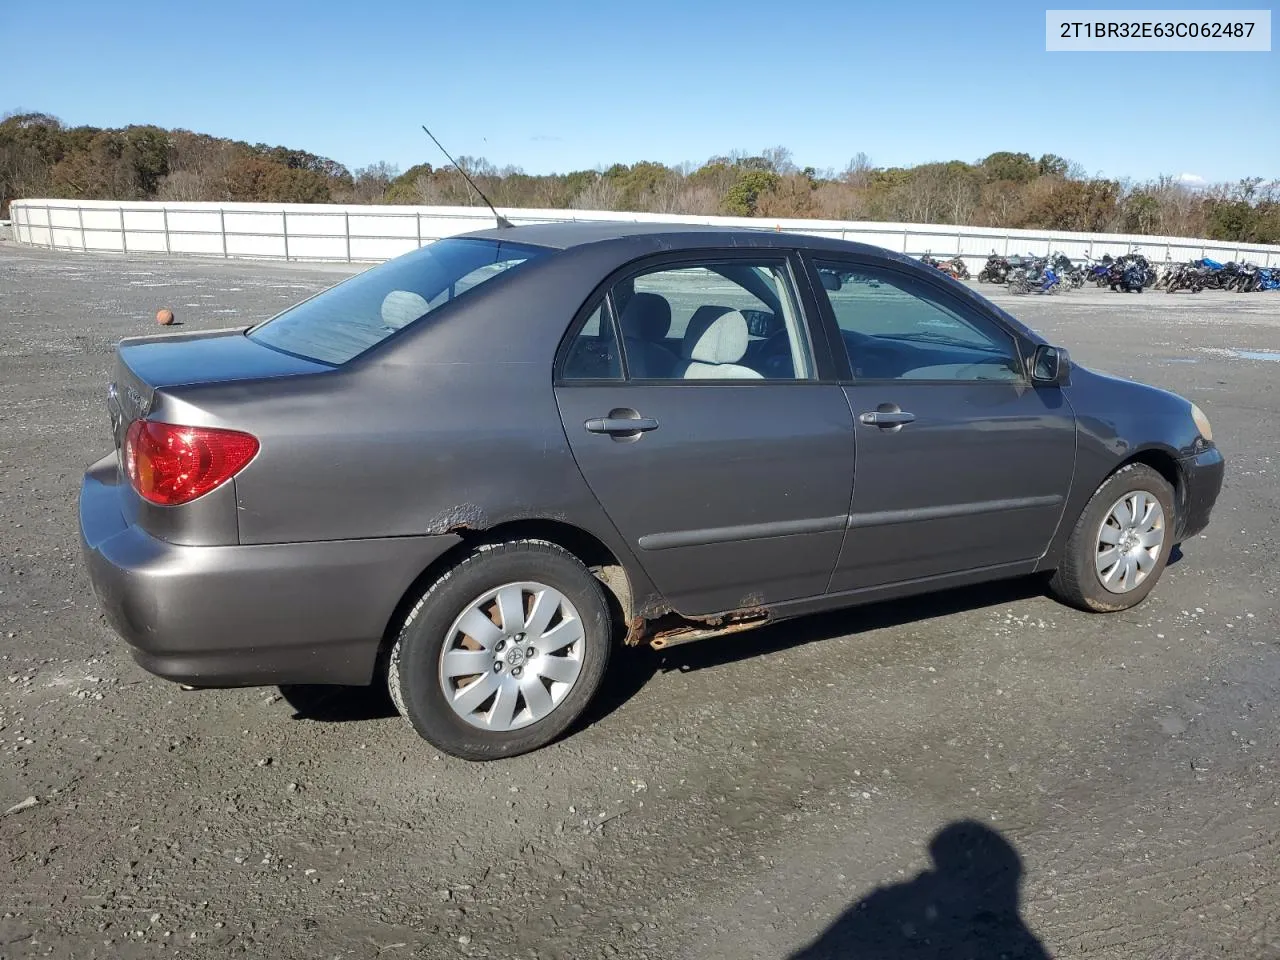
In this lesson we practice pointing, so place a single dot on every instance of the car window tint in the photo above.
(897, 328)
(594, 354)
(346, 320)
(726, 320)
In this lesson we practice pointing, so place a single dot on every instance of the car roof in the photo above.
(563, 235)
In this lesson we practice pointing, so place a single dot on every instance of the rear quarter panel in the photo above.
(449, 426)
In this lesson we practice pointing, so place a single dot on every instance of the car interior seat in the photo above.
(645, 321)
(715, 344)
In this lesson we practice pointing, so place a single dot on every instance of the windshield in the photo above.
(348, 319)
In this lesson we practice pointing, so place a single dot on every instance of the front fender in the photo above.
(1118, 422)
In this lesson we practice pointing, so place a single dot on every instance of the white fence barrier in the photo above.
(295, 231)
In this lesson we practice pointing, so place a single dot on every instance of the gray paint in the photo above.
(770, 494)
(921, 492)
(727, 455)
(231, 615)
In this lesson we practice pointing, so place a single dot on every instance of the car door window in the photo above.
(594, 354)
(733, 320)
(895, 327)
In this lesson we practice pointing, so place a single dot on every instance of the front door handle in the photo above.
(887, 418)
(621, 425)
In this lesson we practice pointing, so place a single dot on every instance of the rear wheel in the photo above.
(503, 652)
(1121, 543)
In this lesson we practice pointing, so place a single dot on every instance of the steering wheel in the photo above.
(865, 351)
(774, 357)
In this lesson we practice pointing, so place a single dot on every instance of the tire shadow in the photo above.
(337, 704)
(633, 667)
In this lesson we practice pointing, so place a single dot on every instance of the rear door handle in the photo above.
(615, 425)
(887, 418)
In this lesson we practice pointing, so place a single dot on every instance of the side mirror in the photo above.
(830, 279)
(1051, 366)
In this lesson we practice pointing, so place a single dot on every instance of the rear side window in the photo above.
(594, 354)
(346, 320)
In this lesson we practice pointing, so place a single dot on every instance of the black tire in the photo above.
(413, 664)
(1076, 581)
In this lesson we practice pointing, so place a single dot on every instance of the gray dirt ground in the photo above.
(729, 799)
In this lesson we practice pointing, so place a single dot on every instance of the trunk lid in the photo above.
(147, 364)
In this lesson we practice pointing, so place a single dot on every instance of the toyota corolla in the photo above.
(473, 471)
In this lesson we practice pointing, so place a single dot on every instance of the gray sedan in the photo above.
(474, 471)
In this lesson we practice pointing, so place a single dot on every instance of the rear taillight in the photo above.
(171, 464)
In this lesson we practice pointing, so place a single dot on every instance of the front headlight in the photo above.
(1202, 423)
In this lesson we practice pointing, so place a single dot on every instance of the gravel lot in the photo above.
(730, 799)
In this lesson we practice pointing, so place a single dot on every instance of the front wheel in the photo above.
(1121, 543)
(503, 652)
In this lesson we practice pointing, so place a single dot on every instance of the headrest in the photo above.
(401, 307)
(716, 337)
(647, 316)
(703, 316)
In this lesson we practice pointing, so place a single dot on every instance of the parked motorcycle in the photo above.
(1192, 277)
(1035, 274)
(957, 268)
(996, 270)
(1130, 273)
(1072, 275)
(1096, 271)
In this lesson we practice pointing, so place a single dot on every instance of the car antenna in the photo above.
(503, 222)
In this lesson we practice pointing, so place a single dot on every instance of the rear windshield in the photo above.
(353, 316)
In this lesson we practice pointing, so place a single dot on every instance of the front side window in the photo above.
(895, 327)
(725, 320)
(346, 320)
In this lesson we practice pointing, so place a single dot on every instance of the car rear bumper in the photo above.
(230, 616)
(1203, 475)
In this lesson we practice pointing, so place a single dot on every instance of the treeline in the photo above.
(40, 157)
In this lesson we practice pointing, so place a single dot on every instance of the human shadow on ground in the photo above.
(965, 907)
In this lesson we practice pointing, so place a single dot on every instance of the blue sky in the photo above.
(571, 85)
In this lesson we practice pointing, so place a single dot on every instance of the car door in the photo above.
(963, 464)
(728, 466)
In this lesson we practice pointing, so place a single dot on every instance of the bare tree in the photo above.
(547, 192)
(601, 195)
(961, 195)
(694, 201)
(183, 186)
(369, 184)
(921, 199)
(429, 190)
(858, 173)
(779, 160)
(838, 201)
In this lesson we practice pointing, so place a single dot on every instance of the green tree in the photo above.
(1017, 167)
(1052, 165)
(743, 196)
